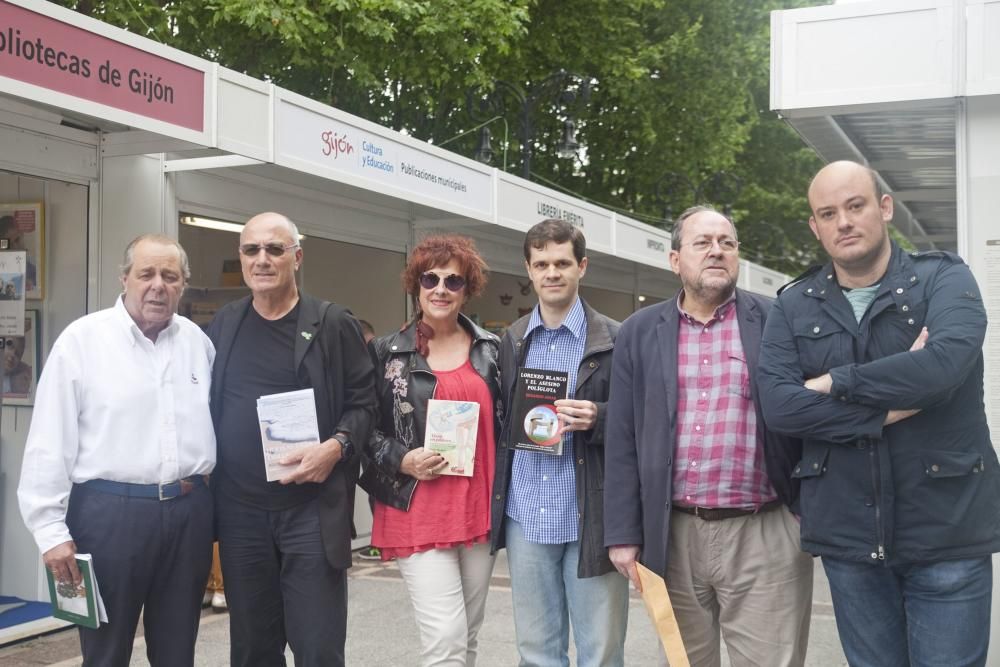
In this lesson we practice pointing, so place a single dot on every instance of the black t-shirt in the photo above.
(261, 362)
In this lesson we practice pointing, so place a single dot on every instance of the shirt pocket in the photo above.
(897, 327)
(822, 344)
(737, 375)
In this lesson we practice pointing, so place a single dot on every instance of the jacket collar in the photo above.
(746, 309)
(599, 336)
(307, 325)
(823, 283)
(405, 341)
(575, 320)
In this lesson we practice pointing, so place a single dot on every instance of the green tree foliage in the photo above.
(680, 87)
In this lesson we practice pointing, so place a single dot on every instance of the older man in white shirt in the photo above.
(118, 454)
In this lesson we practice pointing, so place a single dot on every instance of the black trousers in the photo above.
(279, 587)
(151, 557)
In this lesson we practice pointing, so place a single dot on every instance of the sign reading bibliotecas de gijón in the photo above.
(64, 58)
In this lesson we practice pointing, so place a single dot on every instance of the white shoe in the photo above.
(219, 601)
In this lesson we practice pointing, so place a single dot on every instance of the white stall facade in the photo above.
(912, 88)
(116, 135)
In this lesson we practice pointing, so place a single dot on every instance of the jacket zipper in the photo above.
(873, 453)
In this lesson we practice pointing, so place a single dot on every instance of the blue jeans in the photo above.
(919, 615)
(548, 596)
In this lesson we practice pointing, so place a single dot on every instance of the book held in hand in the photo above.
(287, 426)
(535, 424)
(452, 427)
(78, 603)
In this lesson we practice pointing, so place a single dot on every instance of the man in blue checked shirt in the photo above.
(548, 510)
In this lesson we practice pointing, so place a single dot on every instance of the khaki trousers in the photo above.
(747, 577)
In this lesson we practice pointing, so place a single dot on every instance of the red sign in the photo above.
(45, 52)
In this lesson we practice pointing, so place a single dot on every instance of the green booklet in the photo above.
(78, 603)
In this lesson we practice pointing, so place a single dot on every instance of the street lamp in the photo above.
(484, 151)
(561, 88)
(675, 190)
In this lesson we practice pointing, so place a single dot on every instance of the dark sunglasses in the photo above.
(272, 249)
(453, 282)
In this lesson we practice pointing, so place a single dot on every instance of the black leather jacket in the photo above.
(404, 383)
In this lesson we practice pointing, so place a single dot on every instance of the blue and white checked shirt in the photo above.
(542, 494)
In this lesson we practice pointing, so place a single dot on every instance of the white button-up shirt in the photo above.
(112, 404)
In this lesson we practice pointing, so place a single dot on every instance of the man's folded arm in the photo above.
(790, 408)
(921, 379)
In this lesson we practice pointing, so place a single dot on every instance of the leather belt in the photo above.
(720, 513)
(165, 491)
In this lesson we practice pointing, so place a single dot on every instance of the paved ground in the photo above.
(382, 632)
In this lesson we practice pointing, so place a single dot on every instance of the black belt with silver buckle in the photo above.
(165, 491)
(720, 513)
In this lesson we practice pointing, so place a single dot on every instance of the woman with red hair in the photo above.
(436, 525)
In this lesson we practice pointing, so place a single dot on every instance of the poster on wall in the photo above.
(22, 227)
(12, 278)
(20, 362)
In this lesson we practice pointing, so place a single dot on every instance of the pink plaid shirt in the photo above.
(718, 460)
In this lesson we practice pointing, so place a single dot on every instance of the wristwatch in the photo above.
(346, 446)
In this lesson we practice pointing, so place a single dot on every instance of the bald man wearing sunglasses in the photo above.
(285, 546)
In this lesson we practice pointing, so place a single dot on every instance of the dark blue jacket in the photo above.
(924, 489)
(640, 436)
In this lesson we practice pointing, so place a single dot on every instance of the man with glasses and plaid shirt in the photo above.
(286, 545)
(696, 486)
(547, 510)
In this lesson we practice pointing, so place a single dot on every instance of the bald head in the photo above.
(839, 171)
(271, 220)
(851, 219)
(270, 255)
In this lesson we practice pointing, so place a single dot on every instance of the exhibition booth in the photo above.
(911, 88)
(107, 135)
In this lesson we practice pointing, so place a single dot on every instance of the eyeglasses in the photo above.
(453, 282)
(727, 245)
(272, 249)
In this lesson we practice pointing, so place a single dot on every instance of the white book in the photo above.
(452, 428)
(287, 426)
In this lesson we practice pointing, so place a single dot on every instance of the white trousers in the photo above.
(448, 590)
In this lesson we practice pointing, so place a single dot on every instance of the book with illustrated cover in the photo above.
(287, 426)
(78, 603)
(452, 427)
(535, 424)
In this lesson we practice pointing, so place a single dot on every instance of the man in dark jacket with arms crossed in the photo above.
(875, 361)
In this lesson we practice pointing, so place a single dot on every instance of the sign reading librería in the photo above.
(521, 204)
(64, 58)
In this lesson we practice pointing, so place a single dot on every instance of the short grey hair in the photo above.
(678, 229)
(163, 239)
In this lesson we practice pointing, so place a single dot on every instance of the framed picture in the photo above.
(21, 358)
(22, 227)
